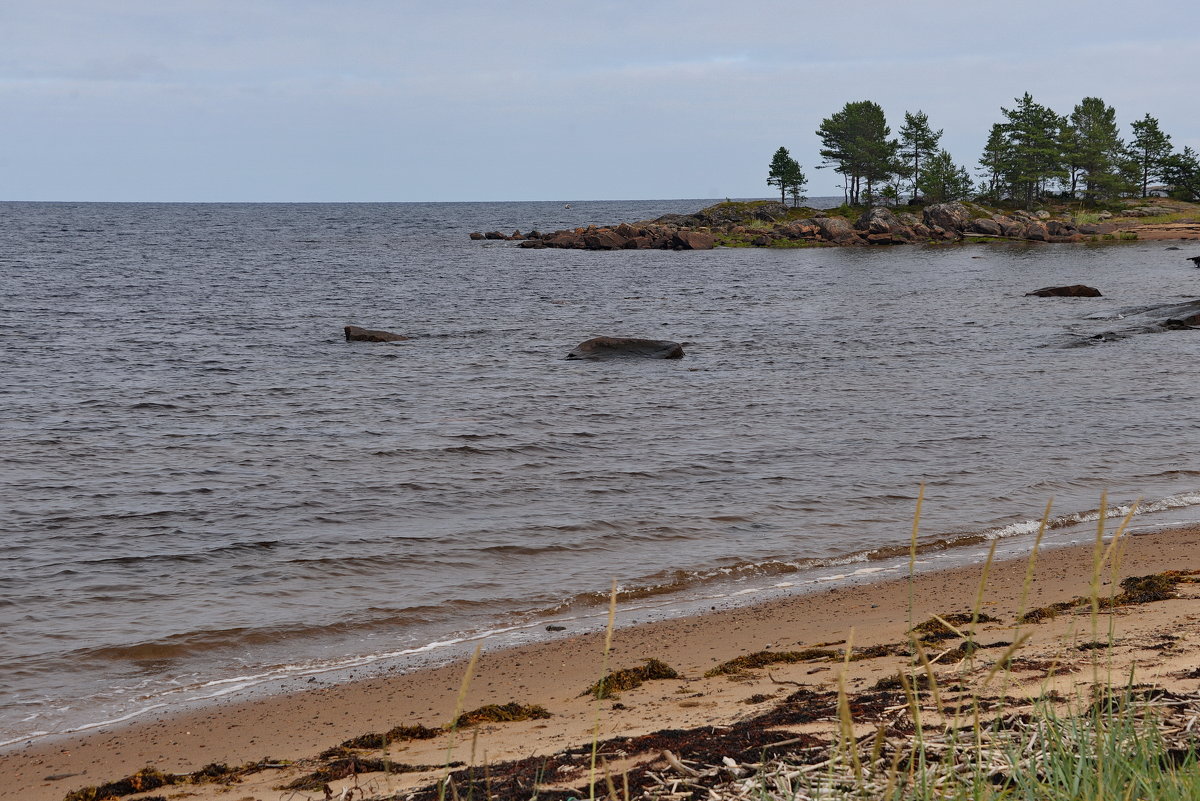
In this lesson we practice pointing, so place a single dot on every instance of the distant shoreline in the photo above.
(767, 223)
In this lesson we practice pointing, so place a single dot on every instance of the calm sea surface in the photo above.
(205, 489)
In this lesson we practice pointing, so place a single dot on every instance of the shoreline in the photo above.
(771, 224)
(554, 674)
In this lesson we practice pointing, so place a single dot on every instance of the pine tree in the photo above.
(1033, 156)
(943, 180)
(917, 141)
(1182, 172)
(856, 143)
(1092, 150)
(1149, 148)
(995, 155)
(785, 173)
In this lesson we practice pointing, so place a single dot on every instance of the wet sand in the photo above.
(1160, 640)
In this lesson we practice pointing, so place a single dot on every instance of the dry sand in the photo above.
(1160, 640)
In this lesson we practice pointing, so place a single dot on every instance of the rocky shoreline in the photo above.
(772, 224)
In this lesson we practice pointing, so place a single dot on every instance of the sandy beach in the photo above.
(1160, 641)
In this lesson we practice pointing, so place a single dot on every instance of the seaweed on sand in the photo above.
(353, 766)
(629, 678)
(501, 713)
(760, 659)
(148, 778)
(935, 630)
(394, 735)
(1134, 590)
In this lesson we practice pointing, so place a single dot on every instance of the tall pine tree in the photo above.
(1092, 150)
(917, 143)
(1034, 151)
(855, 142)
(785, 173)
(1149, 150)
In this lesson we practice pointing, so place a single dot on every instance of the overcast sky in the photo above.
(390, 100)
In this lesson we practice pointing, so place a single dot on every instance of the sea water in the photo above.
(205, 489)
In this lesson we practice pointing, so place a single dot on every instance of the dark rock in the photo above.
(533, 244)
(836, 229)
(770, 212)
(1011, 227)
(563, 239)
(494, 235)
(801, 229)
(603, 239)
(516, 236)
(878, 220)
(761, 241)
(1182, 323)
(692, 240)
(476, 235)
(1072, 291)
(882, 227)
(1036, 232)
(1194, 260)
(626, 348)
(1060, 228)
(983, 225)
(947, 216)
(356, 334)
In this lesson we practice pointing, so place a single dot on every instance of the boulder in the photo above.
(603, 239)
(533, 244)
(800, 229)
(947, 216)
(1072, 291)
(883, 227)
(1181, 323)
(563, 239)
(494, 235)
(835, 229)
(1194, 260)
(1036, 231)
(983, 225)
(770, 212)
(1011, 227)
(356, 334)
(626, 348)
(692, 240)
(1060, 228)
(476, 235)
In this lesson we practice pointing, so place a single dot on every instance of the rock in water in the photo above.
(1194, 260)
(626, 348)
(1072, 291)
(356, 334)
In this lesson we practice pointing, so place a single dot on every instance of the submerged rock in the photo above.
(1072, 291)
(626, 348)
(356, 334)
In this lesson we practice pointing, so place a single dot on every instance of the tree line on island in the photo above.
(1032, 155)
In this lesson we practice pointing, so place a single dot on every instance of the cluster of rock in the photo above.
(641, 236)
(766, 224)
(940, 222)
(594, 349)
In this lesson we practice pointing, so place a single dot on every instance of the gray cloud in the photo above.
(364, 100)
